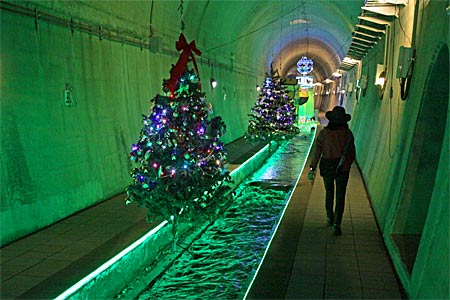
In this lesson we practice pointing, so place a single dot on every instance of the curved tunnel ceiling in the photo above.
(250, 34)
(259, 33)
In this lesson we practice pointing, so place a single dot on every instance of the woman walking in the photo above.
(335, 148)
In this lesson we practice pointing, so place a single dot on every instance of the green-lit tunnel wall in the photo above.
(403, 153)
(58, 158)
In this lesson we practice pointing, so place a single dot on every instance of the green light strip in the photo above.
(130, 248)
(109, 263)
(248, 160)
(279, 221)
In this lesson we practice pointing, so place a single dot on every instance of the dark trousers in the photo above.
(340, 182)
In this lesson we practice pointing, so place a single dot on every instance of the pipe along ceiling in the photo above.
(249, 34)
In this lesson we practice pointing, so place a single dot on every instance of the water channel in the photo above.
(223, 261)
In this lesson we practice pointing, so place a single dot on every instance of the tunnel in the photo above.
(77, 77)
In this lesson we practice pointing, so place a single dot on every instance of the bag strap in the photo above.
(347, 145)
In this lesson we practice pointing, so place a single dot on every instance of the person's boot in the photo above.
(337, 229)
(330, 221)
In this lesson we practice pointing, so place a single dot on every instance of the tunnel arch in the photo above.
(322, 54)
(255, 34)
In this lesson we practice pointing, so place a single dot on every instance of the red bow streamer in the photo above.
(182, 62)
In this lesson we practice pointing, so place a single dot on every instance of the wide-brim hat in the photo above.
(338, 115)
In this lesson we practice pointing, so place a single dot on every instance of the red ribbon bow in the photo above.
(182, 62)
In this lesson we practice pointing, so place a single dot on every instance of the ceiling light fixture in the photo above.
(298, 21)
(365, 40)
(351, 60)
(361, 45)
(357, 48)
(374, 20)
(370, 28)
(381, 79)
(213, 83)
(368, 35)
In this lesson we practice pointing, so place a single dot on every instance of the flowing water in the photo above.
(223, 261)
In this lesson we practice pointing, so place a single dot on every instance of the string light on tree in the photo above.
(180, 158)
(274, 114)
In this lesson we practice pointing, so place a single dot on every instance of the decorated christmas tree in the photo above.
(180, 159)
(274, 114)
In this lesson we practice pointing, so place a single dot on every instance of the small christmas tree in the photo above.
(274, 114)
(181, 161)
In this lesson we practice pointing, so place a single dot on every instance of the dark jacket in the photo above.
(330, 144)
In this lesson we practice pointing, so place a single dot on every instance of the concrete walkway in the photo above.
(354, 265)
(46, 263)
(305, 261)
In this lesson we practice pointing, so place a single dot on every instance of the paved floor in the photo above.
(44, 264)
(305, 259)
(354, 265)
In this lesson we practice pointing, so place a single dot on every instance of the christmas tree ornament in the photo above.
(305, 65)
(180, 173)
(188, 51)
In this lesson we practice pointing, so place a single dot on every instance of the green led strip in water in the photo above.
(70, 291)
(109, 263)
(248, 160)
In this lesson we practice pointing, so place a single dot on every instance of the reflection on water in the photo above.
(286, 163)
(228, 252)
(223, 260)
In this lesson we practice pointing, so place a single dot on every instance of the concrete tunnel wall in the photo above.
(403, 151)
(58, 159)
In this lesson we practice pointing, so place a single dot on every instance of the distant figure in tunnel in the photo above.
(335, 148)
